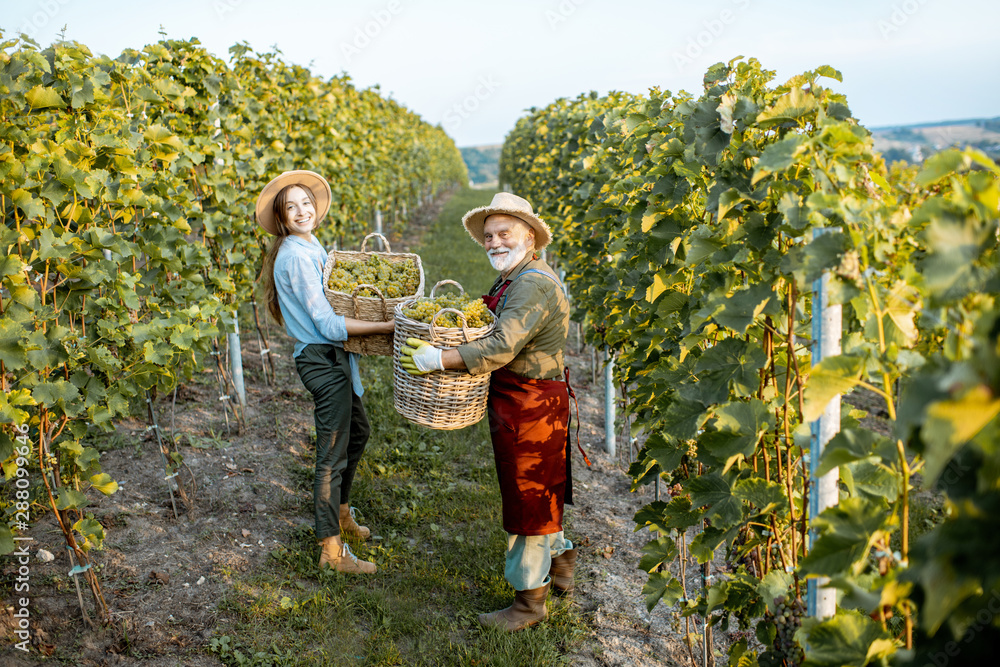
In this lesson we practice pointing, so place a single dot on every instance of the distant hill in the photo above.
(483, 163)
(914, 143)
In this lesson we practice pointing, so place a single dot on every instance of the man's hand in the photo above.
(418, 357)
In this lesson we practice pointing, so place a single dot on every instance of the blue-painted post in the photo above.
(821, 601)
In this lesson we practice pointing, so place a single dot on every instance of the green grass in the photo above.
(448, 252)
(432, 497)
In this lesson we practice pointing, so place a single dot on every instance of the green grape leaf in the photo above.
(10, 404)
(847, 446)
(791, 107)
(682, 420)
(713, 490)
(33, 207)
(41, 97)
(873, 479)
(662, 586)
(941, 164)
(92, 532)
(774, 584)
(59, 392)
(779, 156)
(6, 539)
(765, 631)
(945, 590)
(728, 201)
(13, 351)
(952, 423)
(849, 639)
(740, 425)
(846, 533)
(661, 550)
(765, 496)
(103, 483)
(70, 499)
(11, 265)
(736, 361)
(830, 377)
(663, 517)
(740, 309)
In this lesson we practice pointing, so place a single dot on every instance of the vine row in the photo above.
(129, 241)
(692, 230)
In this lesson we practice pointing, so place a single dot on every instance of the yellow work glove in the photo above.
(418, 357)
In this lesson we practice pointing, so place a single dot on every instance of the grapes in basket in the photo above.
(424, 308)
(393, 279)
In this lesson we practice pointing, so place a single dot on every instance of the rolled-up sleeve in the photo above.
(524, 314)
(305, 288)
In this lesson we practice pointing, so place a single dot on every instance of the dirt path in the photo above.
(164, 578)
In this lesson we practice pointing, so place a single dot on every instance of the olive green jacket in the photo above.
(532, 325)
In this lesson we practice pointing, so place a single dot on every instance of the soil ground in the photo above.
(163, 577)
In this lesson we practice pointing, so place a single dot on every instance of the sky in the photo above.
(476, 67)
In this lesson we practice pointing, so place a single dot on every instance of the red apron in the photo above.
(529, 428)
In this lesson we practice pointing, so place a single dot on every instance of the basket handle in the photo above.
(385, 309)
(461, 290)
(465, 324)
(385, 242)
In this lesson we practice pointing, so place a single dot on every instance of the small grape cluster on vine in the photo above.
(787, 618)
(393, 279)
(424, 308)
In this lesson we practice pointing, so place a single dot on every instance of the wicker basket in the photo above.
(375, 308)
(443, 400)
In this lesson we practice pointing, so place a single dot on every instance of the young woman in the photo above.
(290, 207)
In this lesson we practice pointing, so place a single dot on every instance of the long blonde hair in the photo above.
(269, 291)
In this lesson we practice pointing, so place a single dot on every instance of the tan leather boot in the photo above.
(528, 609)
(337, 555)
(561, 572)
(350, 526)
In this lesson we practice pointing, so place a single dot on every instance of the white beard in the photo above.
(505, 261)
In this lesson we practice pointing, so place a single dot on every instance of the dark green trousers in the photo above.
(341, 430)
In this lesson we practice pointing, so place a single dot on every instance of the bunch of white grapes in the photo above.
(475, 311)
(393, 279)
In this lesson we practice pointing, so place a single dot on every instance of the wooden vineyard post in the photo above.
(266, 360)
(164, 454)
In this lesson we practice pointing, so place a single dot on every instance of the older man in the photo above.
(528, 402)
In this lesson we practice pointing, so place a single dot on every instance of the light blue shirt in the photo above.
(309, 317)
